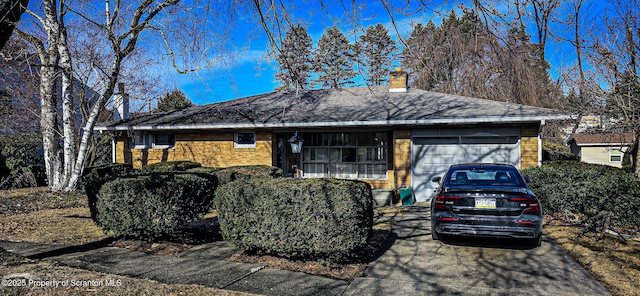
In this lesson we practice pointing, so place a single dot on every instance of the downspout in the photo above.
(113, 149)
(542, 124)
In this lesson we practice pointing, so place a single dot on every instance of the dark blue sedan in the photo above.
(488, 200)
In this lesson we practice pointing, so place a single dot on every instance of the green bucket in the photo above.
(406, 196)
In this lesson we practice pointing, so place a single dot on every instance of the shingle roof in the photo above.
(374, 106)
(614, 138)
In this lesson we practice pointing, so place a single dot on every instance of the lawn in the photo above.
(38, 216)
(614, 262)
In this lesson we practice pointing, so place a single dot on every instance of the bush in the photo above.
(323, 219)
(588, 189)
(21, 161)
(94, 177)
(230, 174)
(556, 152)
(146, 207)
(171, 166)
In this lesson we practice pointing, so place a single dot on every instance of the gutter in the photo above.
(603, 144)
(316, 124)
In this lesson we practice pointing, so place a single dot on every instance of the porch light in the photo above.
(296, 143)
(296, 147)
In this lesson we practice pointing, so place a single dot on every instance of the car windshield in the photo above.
(482, 176)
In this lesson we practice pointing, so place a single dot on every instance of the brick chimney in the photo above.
(121, 104)
(398, 80)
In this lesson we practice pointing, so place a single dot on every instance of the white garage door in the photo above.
(433, 151)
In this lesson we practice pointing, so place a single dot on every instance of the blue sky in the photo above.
(252, 73)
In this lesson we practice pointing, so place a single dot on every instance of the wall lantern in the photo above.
(296, 148)
(296, 143)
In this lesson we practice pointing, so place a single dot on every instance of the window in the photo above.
(244, 140)
(615, 155)
(144, 141)
(163, 141)
(140, 141)
(348, 155)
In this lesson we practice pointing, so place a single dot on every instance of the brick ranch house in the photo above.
(387, 136)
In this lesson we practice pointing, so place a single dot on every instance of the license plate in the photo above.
(485, 203)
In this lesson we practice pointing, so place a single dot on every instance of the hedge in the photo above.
(95, 176)
(146, 207)
(588, 189)
(324, 219)
(170, 166)
(556, 152)
(233, 173)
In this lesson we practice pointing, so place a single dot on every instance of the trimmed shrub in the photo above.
(325, 219)
(170, 166)
(94, 177)
(146, 207)
(21, 161)
(230, 174)
(587, 189)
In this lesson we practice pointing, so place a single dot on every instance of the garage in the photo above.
(434, 150)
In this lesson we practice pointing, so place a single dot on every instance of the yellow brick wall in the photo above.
(401, 158)
(528, 146)
(211, 149)
(121, 144)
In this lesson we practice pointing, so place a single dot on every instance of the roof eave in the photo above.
(367, 123)
(603, 144)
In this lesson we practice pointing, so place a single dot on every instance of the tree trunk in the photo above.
(50, 135)
(49, 59)
(87, 130)
(68, 106)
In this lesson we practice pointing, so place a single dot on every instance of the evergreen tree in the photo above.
(415, 56)
(174, 100)
(377, 53)
(295, 58)
(334, 60)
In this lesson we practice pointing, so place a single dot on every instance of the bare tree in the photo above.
(117, 27)
(616, 59)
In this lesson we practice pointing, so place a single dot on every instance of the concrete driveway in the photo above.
(414, 264)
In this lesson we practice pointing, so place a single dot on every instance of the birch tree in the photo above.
(55, 28)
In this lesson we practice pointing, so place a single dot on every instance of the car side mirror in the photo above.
(436, 179)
